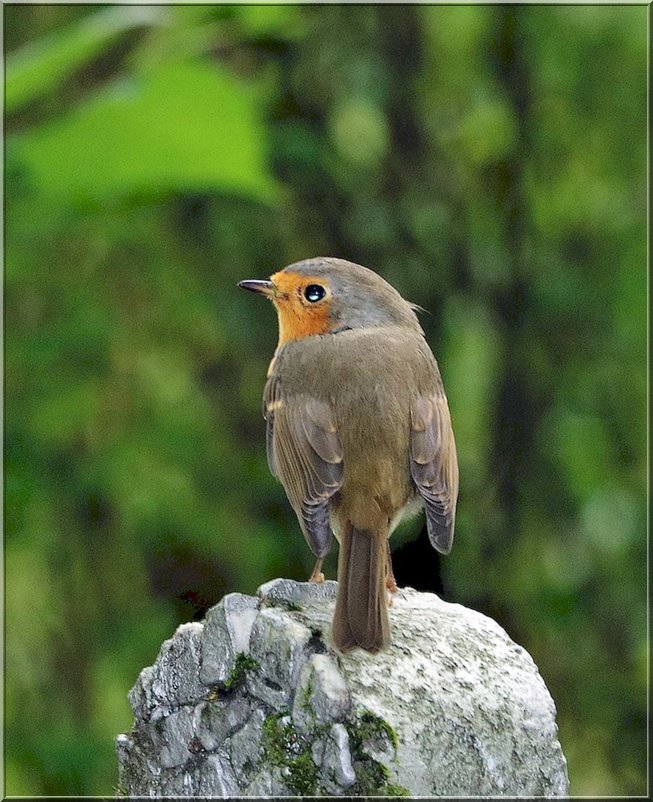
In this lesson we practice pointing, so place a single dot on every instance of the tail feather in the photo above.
(361, 615)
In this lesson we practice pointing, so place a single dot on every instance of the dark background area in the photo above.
(489, 161)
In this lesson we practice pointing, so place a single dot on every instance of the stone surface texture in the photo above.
(255, 702)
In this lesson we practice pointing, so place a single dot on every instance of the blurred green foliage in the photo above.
(490, 161)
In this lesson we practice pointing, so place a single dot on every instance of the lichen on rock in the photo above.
(255, 702)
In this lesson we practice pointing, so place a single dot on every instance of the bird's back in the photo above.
(369, 377)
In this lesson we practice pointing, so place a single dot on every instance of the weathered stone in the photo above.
(228, 627)
(140, 697)
(268, 783)
(175, 733)
(280, 645)
(168, 784)
(336, 768)
(464, 701)
(322, 694)
(376, 740)
(286, 592)
(174, 679)
(124, 746)
(216, 721)
(245, 746)
(138, 769)
(216, 777)
(453, 708)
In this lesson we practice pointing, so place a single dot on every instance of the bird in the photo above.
(358, 430)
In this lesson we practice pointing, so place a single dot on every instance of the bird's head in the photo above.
(326, 296)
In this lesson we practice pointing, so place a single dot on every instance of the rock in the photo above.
(288, 593)
(215, 777)
(322, 694)
(228, 627)
(217, 720)
(335, 763)
(280, 645)
(176, 733)
(256, 702)
(246, 747)
(174, 678)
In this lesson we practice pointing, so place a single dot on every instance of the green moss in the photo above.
(394, 789)
(305, 701)
(372, 777)
(303, 775)
(285, 747)
(369, 726)
(273, 740)
(243, 664)
(290, 750)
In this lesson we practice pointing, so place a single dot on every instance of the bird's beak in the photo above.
(266, 288)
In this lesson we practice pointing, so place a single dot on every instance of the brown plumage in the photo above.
(358, 430)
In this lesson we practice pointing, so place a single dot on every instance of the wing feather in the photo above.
(305, 454)
(434, 466)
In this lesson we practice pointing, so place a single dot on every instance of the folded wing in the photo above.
(305, 454)
(434, 466)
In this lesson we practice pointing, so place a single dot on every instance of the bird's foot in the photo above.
(317, 576)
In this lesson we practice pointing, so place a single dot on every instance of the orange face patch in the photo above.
(299, 317)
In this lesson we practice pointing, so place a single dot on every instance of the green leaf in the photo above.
(41, 65)
(176, 128)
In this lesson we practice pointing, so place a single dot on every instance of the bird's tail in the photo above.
(361, 614)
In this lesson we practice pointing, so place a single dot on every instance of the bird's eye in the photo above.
(314, 292)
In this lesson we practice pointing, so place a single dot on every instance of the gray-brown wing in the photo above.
(434, 466)
(305, 454)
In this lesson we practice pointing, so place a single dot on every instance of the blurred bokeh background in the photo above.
(489, 161)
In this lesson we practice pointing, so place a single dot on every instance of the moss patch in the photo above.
(370, 727)
(373, 778)
(243, 664)
(285, 747)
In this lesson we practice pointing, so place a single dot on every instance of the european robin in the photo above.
(358, 430)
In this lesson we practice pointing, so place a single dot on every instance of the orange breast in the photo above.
(298, 318)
